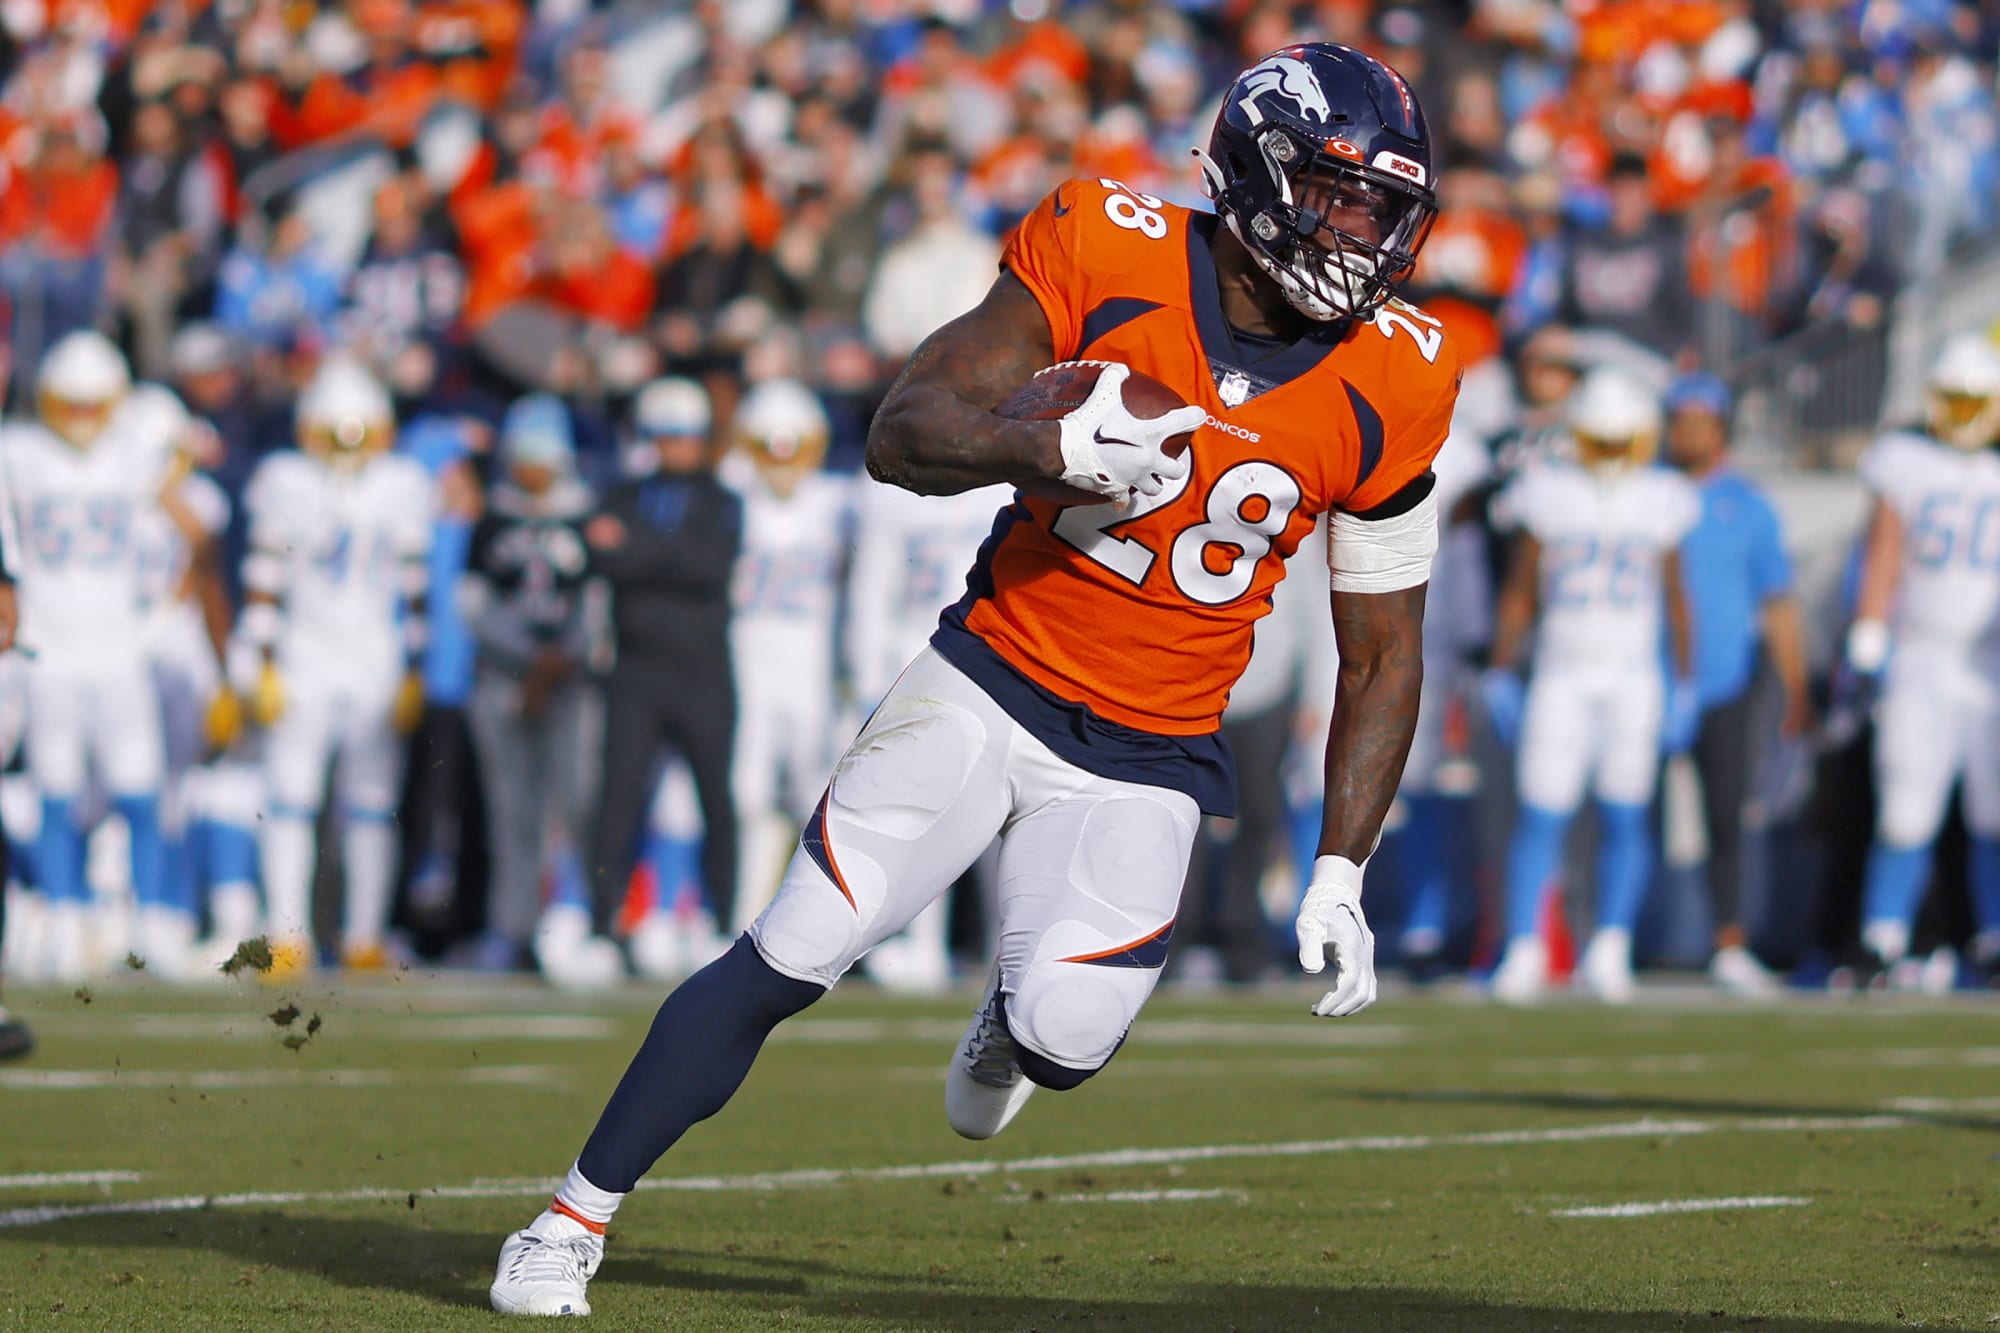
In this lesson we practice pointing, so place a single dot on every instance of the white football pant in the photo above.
(1090, 868)
(1591, 724)
(108, 716)
(324, 718)
(1938, 722)
(784, 696)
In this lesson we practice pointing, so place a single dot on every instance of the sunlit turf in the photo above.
(1408, 1169)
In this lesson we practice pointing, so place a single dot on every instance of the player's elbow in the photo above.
(893, 444)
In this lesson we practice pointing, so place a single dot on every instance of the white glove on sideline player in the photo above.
(1108, 451)
(1330, 921)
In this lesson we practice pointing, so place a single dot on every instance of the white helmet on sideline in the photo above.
(1614, 417)
(79, 385)
(345, 415)
(671, 406)
(783, 428)
(1962, 393)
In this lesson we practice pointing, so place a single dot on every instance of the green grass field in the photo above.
(1240, 1166)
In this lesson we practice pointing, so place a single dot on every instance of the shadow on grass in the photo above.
(1652, 1103)
(392, 1255)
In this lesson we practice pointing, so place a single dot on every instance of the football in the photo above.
(1060, 389)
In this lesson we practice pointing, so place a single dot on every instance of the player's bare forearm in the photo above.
(1680, 627)
(206, 586)
(936, 433)
(1785, 640)
(1374, 714)
(1515, 614)
(1881, 564)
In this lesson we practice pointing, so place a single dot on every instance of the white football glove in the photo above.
(1108, 451)
(1330, 920)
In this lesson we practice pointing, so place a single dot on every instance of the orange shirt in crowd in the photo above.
(1470, 264)
(391, 103)
(1620, 29)
(499, 235)
(1044, 42)
(1746, 251)
(618, 290)
(66, 212)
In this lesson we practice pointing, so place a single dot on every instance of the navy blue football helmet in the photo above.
(1320, 163)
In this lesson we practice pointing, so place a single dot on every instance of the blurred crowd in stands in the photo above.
(482, 200)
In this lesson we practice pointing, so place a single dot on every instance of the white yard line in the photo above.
(779, 1180)
(44, 1179)
(381, 1027)
(1147, 1196)
(1683, 1206)
(1942, 1104)
(91, 1080)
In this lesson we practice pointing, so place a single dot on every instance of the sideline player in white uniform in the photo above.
(328, 649)
(1930, 587)
(910, 557)
(1595, 574)
(82, 480)
(787, 586)
(187, 628)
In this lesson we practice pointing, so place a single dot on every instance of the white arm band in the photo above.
(1383, 554)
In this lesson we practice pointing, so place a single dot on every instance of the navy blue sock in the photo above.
(702, 1044)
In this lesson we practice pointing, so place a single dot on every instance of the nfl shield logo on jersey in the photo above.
(1234, 390)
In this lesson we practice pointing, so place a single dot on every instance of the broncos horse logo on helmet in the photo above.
(1320, 163)
(1287, 77)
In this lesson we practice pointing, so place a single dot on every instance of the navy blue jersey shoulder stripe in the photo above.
(1369, 421)
(1112, 313)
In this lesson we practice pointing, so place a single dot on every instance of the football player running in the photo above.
(102, 456)
(1930, 589)
(1595, 573)
(328, 649)
(1069, 704)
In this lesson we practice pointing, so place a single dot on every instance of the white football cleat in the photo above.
(1523, 973)
(21, 955)
(66, 943)
(984, 1087)
(165, 942)
(1737, 971)
(570, 957)
(545, 1268)
(1606, 966)
(657, 952)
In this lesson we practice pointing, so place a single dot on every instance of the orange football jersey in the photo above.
(1144, 615)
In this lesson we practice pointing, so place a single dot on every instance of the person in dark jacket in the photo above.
(666, 545)
(533, 711)
(1630, 277)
